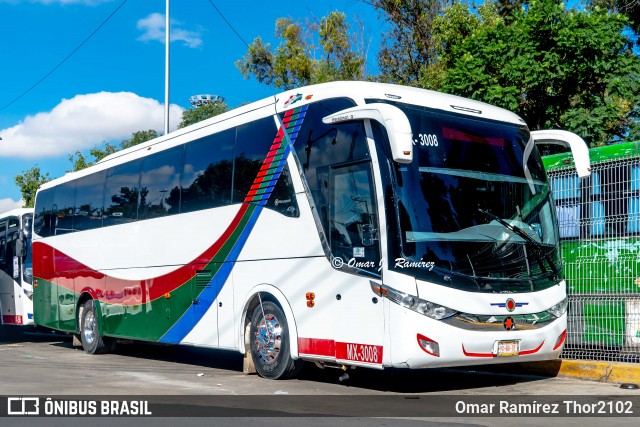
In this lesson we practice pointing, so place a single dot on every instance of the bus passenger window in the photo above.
(121, 194)
(160, 184)
(43, 214)
(89, 201)
(208, 168)
(63, 208)
(253, 141)
(3, 245)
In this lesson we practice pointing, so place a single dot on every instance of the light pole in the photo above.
(166, 70)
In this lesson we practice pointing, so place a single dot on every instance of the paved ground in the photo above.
(193, 380)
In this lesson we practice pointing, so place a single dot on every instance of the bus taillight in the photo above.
(429, 345)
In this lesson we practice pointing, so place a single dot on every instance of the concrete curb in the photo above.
(609, 372)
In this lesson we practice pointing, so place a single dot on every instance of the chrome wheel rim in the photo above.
(268, 339)
(89, 330)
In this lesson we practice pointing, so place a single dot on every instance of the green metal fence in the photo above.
(599, 219)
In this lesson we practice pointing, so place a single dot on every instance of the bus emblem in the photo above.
(510, 304)
(509, 324)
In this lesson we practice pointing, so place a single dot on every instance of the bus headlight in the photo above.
(424, 307)
(559, 309)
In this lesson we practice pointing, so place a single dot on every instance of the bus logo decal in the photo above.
(293, 99)
(510, 304)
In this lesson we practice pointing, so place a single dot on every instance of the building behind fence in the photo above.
(599, 219)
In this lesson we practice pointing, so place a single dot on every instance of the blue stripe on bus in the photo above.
(194, 314)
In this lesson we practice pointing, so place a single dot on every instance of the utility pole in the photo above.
(166, 70)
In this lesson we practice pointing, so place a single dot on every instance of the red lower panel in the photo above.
(316, 347)
(341, 350)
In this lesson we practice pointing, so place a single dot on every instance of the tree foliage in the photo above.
(408, 49)
(205, 111)
(79, 161)
(555, 67)
(29, 182)
(629, 8)
(309, 53)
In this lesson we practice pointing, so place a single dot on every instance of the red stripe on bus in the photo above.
(470, 354)
(535, 350)
(55, 266)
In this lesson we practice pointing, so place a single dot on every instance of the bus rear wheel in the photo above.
(270, 343)
(92, 341)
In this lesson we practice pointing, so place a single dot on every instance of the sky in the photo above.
(113, 84)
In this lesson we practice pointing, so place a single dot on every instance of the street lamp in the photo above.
(167, 41)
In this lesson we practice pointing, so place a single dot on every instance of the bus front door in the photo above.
(354, 225)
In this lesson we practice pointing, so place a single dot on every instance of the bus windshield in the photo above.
(474, 206)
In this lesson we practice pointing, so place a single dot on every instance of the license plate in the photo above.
(506, 348)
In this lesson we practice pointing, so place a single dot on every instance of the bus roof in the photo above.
(16, 212)
(358, 91)
(606, 153)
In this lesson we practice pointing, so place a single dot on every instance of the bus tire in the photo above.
(270, 343)
(92, 341)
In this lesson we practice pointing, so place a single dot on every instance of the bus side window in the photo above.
(121, 193)
(89, 201)
(43, 213)
(3, 245)
(253, 141)
(207, 172)
(63, 208)
(160, 184)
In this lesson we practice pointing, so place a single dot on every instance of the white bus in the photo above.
(16, 291)
(347, 223)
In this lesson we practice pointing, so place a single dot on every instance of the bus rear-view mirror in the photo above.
(392, 118)
(578, 147)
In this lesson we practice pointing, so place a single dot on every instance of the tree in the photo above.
(555, 67)
(408, 48)
(312, 53)
(29, 182)
(205, 111)
(79, 161)
(629, 8)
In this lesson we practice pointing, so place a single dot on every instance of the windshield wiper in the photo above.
(538, 247)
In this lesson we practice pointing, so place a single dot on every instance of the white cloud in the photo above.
(83, 122)
(8, 204)
(153, 27)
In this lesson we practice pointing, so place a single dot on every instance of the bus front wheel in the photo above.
(270, 343)
(92, 341)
